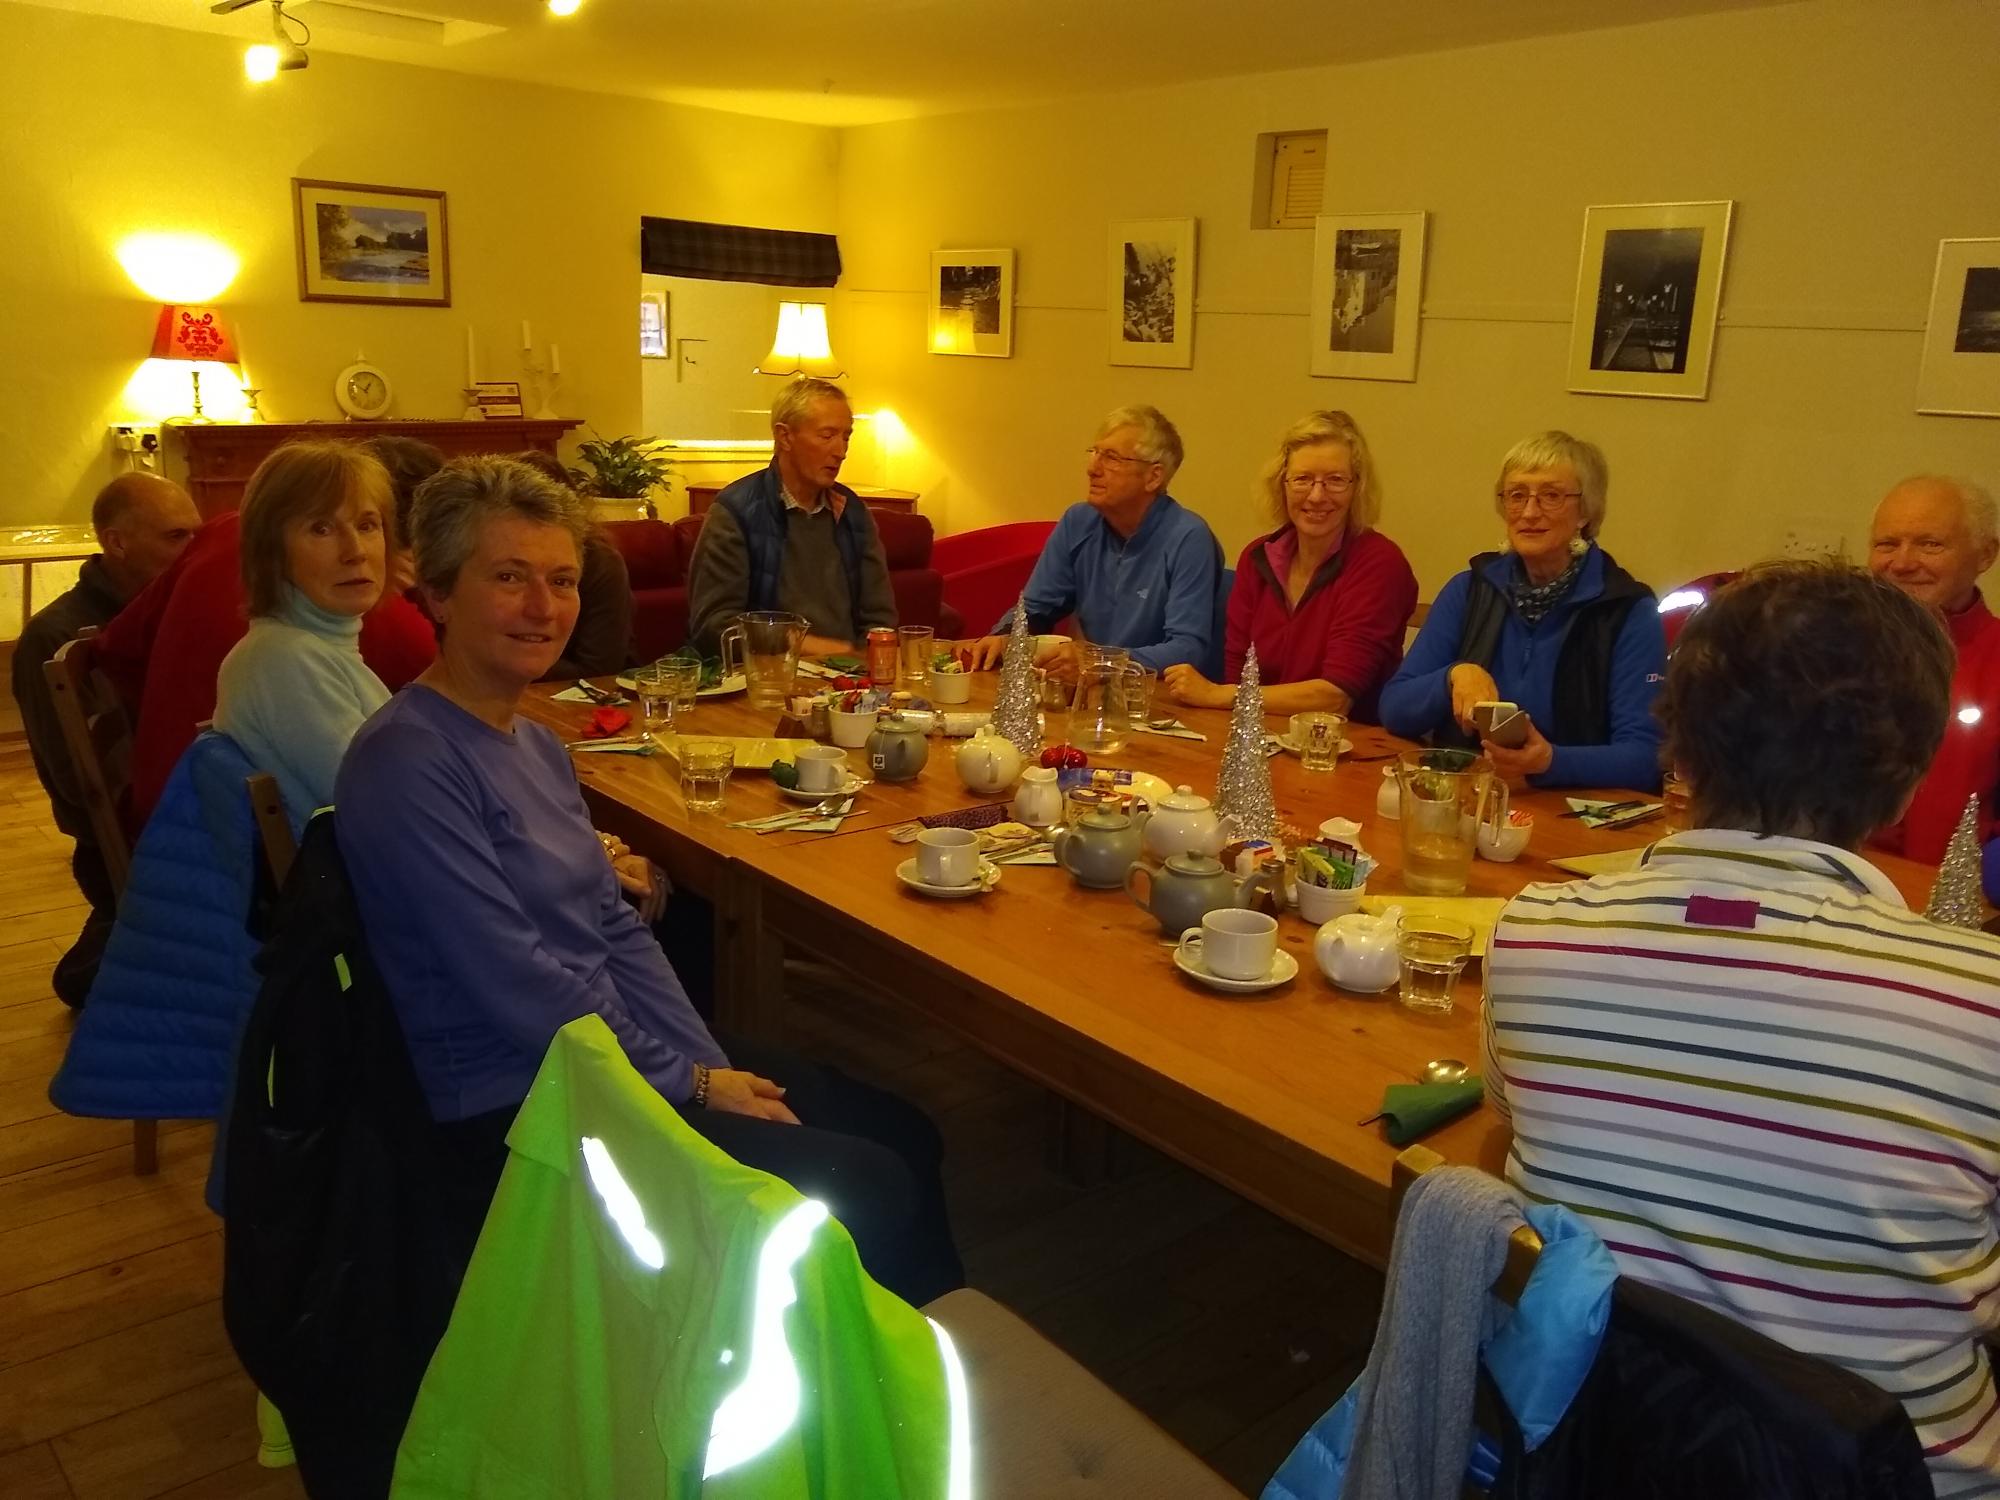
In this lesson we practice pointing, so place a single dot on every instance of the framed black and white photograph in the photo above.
(1151, 292)
(972, 302)
(1648, 289)
(1960, 376)
(1368, 288)
(653, 342)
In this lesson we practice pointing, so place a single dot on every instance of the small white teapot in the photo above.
(1038, 800)
(1183, 823)
(1358, 952)
(988, 762)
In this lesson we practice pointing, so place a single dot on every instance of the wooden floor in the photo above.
(1229, 1328)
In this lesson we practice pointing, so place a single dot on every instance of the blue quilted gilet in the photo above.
(157, 1035)
(757, 502)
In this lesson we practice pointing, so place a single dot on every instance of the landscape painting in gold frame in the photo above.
(360, 242)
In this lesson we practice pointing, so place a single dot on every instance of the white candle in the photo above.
(471, 359)
(527, 338)
(555, 360)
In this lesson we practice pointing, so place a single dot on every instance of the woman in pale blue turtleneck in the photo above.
(314, 544)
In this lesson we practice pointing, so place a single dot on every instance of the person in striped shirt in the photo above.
(1766, 1083)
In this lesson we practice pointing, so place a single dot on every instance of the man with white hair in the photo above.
(1135, 567)
(1932, 537)
(792, 537)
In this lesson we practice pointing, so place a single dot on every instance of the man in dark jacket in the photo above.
(142, 522)
(792, 537)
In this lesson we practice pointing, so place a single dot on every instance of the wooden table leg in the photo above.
(749, 959)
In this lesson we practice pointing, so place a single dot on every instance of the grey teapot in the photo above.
(1187, 888)
(897, 749)
(1100, 847)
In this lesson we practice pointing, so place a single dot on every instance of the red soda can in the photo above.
(882, 656)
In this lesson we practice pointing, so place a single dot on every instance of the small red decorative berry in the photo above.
(1064, 758)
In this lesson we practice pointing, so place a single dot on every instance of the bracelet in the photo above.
(701, 1085)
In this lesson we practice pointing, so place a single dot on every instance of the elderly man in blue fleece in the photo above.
(1136, 568)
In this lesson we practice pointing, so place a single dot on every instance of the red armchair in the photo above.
(985, 570)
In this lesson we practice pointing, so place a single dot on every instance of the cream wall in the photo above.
(1853, 136)
(107, 129)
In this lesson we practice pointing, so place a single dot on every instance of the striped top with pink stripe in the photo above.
(1772, 1088)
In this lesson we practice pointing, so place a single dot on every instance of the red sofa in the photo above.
(985, 571)
(657, 554)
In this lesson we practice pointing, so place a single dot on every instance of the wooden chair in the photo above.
(274, 828)
(98, 736)
(1523, 1250)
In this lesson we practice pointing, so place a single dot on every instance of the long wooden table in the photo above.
(1074, 988)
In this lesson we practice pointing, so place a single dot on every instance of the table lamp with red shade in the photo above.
(197, 334)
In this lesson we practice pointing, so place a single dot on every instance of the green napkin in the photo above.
(1414, 1110)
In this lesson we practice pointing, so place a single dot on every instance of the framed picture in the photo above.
(362, 243)
(498, 398)
(1648, 288)
(1151, 293)
(1368, 290)
(653, 325)
(1960, 376)
(972, 302)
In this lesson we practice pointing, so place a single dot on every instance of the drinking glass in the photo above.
(1432, 951)
(1674, 797)
(656, 699)
(915, 645)
(1317, 736)
(683, 675)
(1140, 683)
(1053, 695)
(705, 768)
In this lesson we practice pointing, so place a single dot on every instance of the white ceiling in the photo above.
(846, 62)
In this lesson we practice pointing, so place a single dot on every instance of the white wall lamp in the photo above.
(282, 54)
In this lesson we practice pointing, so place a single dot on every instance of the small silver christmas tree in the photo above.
(1016, 709)
(1243, 793)
(1955, 899)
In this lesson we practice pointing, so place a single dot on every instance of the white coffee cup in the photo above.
(821, 768)
(1233, 943)
(948, 856)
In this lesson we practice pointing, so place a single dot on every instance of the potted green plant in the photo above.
(622, 468)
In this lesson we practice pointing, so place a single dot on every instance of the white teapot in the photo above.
(1358, 952)
(988, 762)
(1183, 823)
(1038, 800)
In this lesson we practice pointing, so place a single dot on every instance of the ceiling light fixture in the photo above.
(564, 7)
(282, 54)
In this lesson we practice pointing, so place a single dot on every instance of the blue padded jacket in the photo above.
(156, 1037)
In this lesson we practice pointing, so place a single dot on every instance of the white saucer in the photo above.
(848, 788)
(1284, 968)
(989, 876)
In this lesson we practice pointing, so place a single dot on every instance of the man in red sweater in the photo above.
(1932, 538)
(163, 651)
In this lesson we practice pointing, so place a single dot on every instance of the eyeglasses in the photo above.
(1549, 499)
(1303, 485)
(1108, 456)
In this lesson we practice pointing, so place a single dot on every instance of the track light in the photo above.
(281, 54)
(564, 7)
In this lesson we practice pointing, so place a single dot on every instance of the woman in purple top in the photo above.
(495, 918)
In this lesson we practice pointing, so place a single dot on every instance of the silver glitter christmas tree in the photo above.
(1955, 898)
(1016, 711)
(1243, 793)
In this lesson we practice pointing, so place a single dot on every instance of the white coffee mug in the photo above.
(821, 768)
(1233, 943)
(948, 856)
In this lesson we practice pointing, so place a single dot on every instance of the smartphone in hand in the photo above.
(1502, 723)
